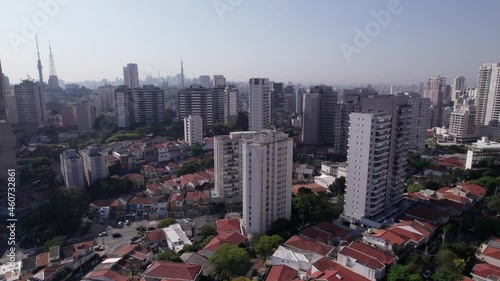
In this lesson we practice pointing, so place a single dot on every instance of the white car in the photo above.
(127, 222)
(120, 223)
(102, 234)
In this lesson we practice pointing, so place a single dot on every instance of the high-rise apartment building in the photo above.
(94, 165)
(131, 75)
(290, 99)
(11, 107)
(260, 104)
(228, 165)
(204, 81)
(197, 100)
(123, 104)
(218, 103)
(420, 120)
(193, 129)
(72, 169)
(68, 116)
(231, 104)
(327, 111)
(278, 116)
(267, 179)
(85, 116)
(463, 127)
(458, 88)
(378, 148)
(30, 101)
(310, 118)
(107, 93)
(299, 100)
(488, 95)
(219, 81)
(435, 91)
(3, 110)
(148, 105)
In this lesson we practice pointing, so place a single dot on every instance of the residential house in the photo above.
(155, 238)
(233, 238)
(297, 259)
(194, 258)
(161, 270)
(138, 180)
(365, 260)
(176, 237)
(150, 174)
(228, 225)
(326, 269)
(154, 189)
(303, 172)
(490, 252)
(192, 201)
(50, 273)
(172, 168)
(309, 245)
(148, 207)
(117, 208)
(485, 272)
(436, 171)
(426, 213)
(176, 205)
(472, 191)
(282, 273)
(163, 154)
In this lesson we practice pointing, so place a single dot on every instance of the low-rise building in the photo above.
(161, 270)
(482, 152)
(176, 237)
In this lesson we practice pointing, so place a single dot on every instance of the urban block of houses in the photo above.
(176, 237)
(327, 233)
(303, 172)
(365, 260)
(488, 256)
(299, 260)
(222, 238)
(328, 270)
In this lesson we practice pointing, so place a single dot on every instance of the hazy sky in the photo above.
(285, 40)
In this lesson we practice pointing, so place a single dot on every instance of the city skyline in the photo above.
(440, 44)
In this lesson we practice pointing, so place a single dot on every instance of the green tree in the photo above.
(197, 149)
(445, 274)
(255, 237)
(110, 187)
(241, 278)
(208, 230)
(166, 222)
(141, 230)
(338, 187)
(459, 264)
(242, 124)
(168, 255)
(205, 241)
(267, 244)
(445, 258)
(230, 260)
(493, 203)
(56, 241)
(402, 273)
(222, 128)
(415, 187)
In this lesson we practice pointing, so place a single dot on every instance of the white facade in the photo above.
(72, 169)
(30, 101)
(488, 94)
(260, 104)
(85, 116)
(231, 104)
(483, 149)
(267, 179)
(94, 165)
(228, 165)
(131, 75)
(176, 237)
(463, 124)
(193, 129)
(219, 80)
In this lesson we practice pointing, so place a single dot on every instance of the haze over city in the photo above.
(284, 40)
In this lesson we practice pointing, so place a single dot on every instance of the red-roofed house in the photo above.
(193, 199)
(117, 208)
(176, 205)
(326, 269)
(156, 238)
(234, 238)
(365, 260)
(208, 177)
(138, 179)
(341, 233)
(425, 213)
(49, 273)
(490, 252)
(228, 225)
(106, 275)
(282, 273)
(309, 245)
(318, 235)
(435, 171)
(194, 180)
(170, 271)
(485, 272)
(172, 167)
(42, 260)
(154, 190)
(473, 191)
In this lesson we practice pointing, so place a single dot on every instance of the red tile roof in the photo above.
(154, 188)
(362, 258)
(173, 271)
(156, 235)
(139, 200)
(331, 271)
(423, 212)
(234, 238)
(473, 189)
(210, 171)
(317, 235)
(308, 245)
(179, 197)
(381, 256)
(485, 270)
(314, 187)
(342, 233)
(205, 175)
(125, 250)
(107, 273)
(281, 273)
(42, 259)
(193, 196)
(148, 167)
(135, 176)
(228, 225)
(192, 178)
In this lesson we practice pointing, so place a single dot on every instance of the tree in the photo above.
(459, 264)
(493, 203)
(197, 149)
(110, 187)
(208, 230)
(168, 255)
(166, 222)
(56, 241)
(267, 244)
(338, 187)
(445, 258)
(241, 278)
(254, 239)
(415, 187)
(230, 260)
(445, 274)
(242, 124)
(141, 230)
(401, 273)
(222, 128)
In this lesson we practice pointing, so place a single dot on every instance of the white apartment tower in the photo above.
(30, 101)
(377, 158)
(72, 169)
(463, 125)
(231, 104)
(267, 179)
(94, 165)
(131, 75)
(228, 165)
(193, 129)
(85, 115)
(123, 105)
(488, 95)
(260, 104)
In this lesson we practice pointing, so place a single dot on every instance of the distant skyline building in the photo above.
(204, 81)
(85, 116)
(94, 165)
(228, 165)
(260, 104)
(131, 75)
(310, 119)
(193, 129)
(299, 100)
(219, 81)
(7, 152)
(267, 180)
(458, 88)
(435, 91)
(488, 95)
(278, 117)
(68, 116)
(3, 110)
(327, 113)
(196, 100)
(231, 104)
(72, 169)
(11, 106)
(420, 120)
(148, 104)
(107, 93)
(124, 106)
(31, 105)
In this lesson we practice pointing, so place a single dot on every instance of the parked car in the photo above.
(120, 224)
(98, 248)
(127, 222)
(116, 235)
(31, 253)
(102, 234)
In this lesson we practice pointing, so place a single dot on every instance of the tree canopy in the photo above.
(229, 260)
(166, 222)
(267, 244)
(208, 230)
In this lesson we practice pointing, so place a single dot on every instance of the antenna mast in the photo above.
(40, 75)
